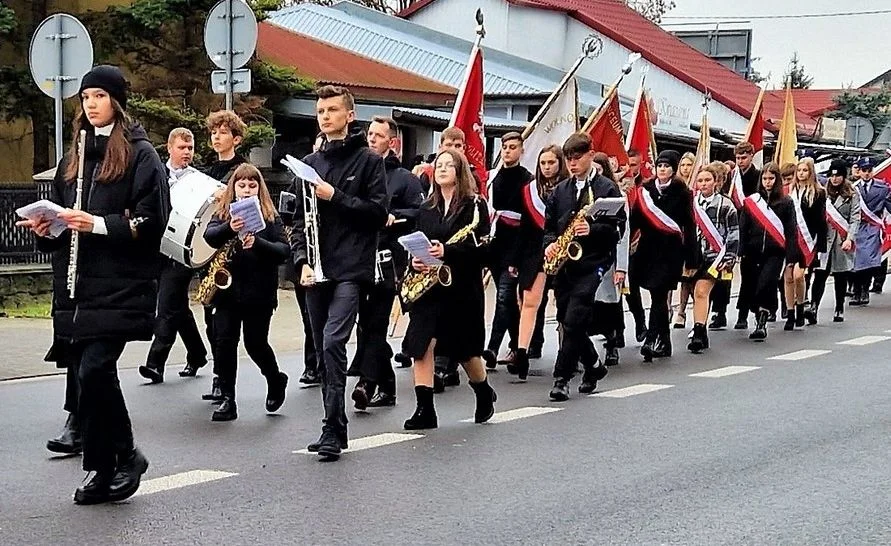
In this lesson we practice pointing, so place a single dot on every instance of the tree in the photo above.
(874, 105)
(653, 10)
(796, 75)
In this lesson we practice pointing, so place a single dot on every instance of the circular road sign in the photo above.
(244, 33)
(61, 53)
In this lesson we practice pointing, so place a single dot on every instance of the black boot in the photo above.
(131, 467)
(68, 442)
(662, 348)
(228, 410)
(790, 320)
(760, 332)
(330, 445)
(810, 313)
(276, 387)
(591, 377)
(799, 315)
(191, 369)
(95, 491)
(485, 401)
(361, 396)
(520, 365)
(719, 322)
(560, 392)
(648, 348)
(402, 360)
(742, 321)
(864, 295)
(612, 356)
(155, 375)
(699, 340)
(425, 413)
(310, 377)
(215, 393)
(839, 315)
(343, 443)
(490, 358)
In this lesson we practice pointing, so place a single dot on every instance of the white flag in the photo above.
(558, 123)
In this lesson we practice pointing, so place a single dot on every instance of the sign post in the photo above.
(230, 38)
(61, 54)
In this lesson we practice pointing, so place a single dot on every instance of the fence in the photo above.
(18, 246)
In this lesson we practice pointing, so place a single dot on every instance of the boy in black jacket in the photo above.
(576, 282)
(352, 207)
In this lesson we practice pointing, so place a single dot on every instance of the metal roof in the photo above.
(443, 118)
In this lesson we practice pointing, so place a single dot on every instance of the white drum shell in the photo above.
(192, 202)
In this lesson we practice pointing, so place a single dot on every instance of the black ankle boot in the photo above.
(699, 340)
(799, 315)
(131, 466)
(742, 321)
(276, 386)
(810, 313)
(215, 393)
(520, 365)
(648, 349)
(485, 401)
(612, 357)
(228, 410)
(662, 348)
(760, 332)
(425, 414)
(790, 320)
(68, 442)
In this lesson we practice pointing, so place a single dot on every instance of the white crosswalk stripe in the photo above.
(369, 442)
(514, 414)
(864, 340)
(801, 355)
(183, 479)
(633, 390)
(725, 371)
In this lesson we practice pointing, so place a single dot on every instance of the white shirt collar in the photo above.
(104, 131)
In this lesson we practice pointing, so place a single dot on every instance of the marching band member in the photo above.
(449, 320)
(373, 353)
(810, 210)
(767, 240)
(125, 204)
(174, 315)
(875, 199)
(664, 216)
(843, 216)
(716, 249)
(247, 305)
(351, 198)
(577, 281)
(720, 294)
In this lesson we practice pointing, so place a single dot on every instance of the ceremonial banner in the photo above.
(755, 131)
(787, 138)
(703, 149)
(468, 116)
(605, 129)
(640, 134)
(557, 123)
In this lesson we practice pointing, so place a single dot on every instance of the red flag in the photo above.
(755, 131)
(883, 171)
(605, 130)
(640, 135)
(468, 116)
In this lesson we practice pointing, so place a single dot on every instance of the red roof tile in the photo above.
(816, 102)
(364, 76)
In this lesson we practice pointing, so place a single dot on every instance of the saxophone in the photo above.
(567, 247)
(415, 284)
(218, 277)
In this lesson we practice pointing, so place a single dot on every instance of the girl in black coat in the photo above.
(762, 255)
(449, 320)
(249, 302)
(124, 207)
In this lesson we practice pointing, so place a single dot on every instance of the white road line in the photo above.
(724, 372)
(801, 355)
(34, 379)
(368, 442)
(633, 390)
(864, 340)
(514, 414)
(183, 479)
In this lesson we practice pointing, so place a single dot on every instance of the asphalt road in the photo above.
(772, 451)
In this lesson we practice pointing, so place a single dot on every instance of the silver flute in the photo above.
(75, 235)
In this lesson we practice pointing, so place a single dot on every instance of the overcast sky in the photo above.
(836, 51)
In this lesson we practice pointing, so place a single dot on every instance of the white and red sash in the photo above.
(837, 221)
(766, 217)
(736, 189)
(711, 235)
(869, 216)
(534, 204)
(806, 241)
(657, 216)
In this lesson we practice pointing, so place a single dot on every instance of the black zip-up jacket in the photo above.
(255, 270)
(348, 224)
(404, 191)
(117, 273)
(221, 170)
(754, 240)
(751, 180)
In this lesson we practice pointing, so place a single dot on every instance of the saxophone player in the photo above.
(576, 282)
(351, 204)
(449, 320)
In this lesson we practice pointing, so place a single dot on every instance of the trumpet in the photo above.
(75, 235)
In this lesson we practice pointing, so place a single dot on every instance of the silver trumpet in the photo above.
(75, 235)
(310, 221)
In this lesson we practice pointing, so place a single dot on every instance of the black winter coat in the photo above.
(255, 270)
(754, 240)
(814, 215)
(117, 273)
(350, 221)
(660, 258)
(507, 195)
(751, 181)
(221, 170)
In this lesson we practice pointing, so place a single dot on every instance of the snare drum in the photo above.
(192, 202)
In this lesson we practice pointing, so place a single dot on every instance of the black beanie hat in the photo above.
(671, 157)
(108, 78)
(838, 167)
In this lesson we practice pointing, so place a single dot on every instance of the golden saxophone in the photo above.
(567, 247)
(416, 284)
(218, 277)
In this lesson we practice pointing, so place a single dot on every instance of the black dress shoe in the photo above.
(839, 316)
(275, 392)
(590, 379)
(69, 441)
(360, 397)
(560, 391)
(402, 360)
(96, 490)
(228, 410)
(215, 393)
(126, 479)
(314, 447)
(310, 377)
(155, 375)
(329, 446)
(191, 368)
(490, 359)
(382, 400)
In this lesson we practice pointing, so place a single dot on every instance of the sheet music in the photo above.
(44, 209)
(249, 210)
(418, 245)
(606, 206)
(301, 169)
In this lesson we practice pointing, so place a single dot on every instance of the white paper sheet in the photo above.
(44, 209)
(249, 210)
(606, 206)
(301, 169)
(418, 245)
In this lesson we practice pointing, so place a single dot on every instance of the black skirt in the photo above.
(455, 318)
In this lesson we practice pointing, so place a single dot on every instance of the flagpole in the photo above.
(626, 69)
(480, 34)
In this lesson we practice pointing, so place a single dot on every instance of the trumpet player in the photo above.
(350, 201)
(248, 302)
(449, 320)
(105, 276)
(576, 282)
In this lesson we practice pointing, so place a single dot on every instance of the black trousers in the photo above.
(635, 304)
(507, 311)
(658, 325)
(175, 317)
(819, 287)
(720, 296)
(211, 339)
(333, 306)
(759, 282)
(229, 322)
(374, 355)
(881, 274)
(862, 279)
(105, 423)
(310, 356)
(576, 313)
